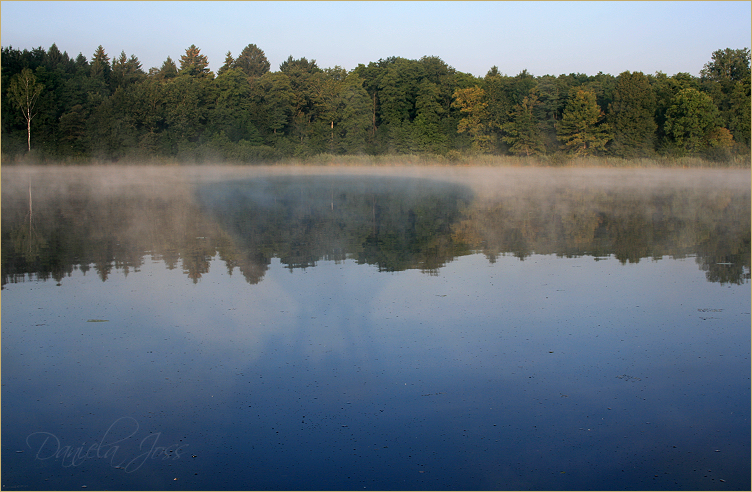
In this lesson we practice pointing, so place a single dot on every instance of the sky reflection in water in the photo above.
(547, 373)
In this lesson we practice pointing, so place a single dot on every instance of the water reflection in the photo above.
(54, 225)
(627, 224)
(449, 331)
(394, 223)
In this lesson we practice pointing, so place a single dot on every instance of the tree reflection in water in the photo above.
(396, 223)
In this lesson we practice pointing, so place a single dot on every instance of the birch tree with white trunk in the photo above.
(24, 91)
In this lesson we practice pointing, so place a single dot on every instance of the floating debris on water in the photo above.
(627, 377)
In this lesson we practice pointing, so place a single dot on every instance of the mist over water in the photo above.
(406, 328)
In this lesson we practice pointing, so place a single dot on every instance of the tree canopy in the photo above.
(112, 108)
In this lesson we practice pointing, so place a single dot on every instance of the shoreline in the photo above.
(412, 160)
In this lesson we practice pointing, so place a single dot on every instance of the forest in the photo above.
(58, 108)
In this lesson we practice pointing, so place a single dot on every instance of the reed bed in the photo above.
(515, 161)
(451, 159)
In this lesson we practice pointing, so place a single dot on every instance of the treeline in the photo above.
(62, 108)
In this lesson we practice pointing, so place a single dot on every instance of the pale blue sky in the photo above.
(542, 37)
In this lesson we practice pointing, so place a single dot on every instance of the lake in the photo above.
(387, 328)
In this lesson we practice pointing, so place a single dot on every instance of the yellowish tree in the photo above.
(581, 129)
(471, 103)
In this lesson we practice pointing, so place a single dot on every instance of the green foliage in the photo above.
(398, 88)
(728, 66)
(727, 79)
(690, 119)
(355, 122)
(168, 70)
(111, 109)
(272, 104)
(24, 92)
(193, 63)
(582, 130)
(252, 61)
(737, 113)
(552, 98)
(631, 116)
(125, 71)
(427, 136)
(498, 98)
(665, 88)
(229, 63)
(232, 109)
(72, 131)
(187, 102)
(100, 65)
(471, 102)
(300, 65)
(522, 132)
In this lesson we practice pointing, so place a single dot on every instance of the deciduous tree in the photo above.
(727, 66)
(272, 98)
(727, 79)
(356, 115)
(471, 103)
(522, 132)
(690, 119)
(24, 91)
(631, 116)
(231, 114)
(427, 134)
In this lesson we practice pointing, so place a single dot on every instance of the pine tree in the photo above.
(125, 71)
(100, 65)
(229, 63)
(581, 129)
(193, 63)
(252, 61)
(169, 69)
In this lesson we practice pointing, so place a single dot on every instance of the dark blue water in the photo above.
(203, 343)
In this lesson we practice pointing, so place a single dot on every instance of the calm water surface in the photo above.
(388, 329)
